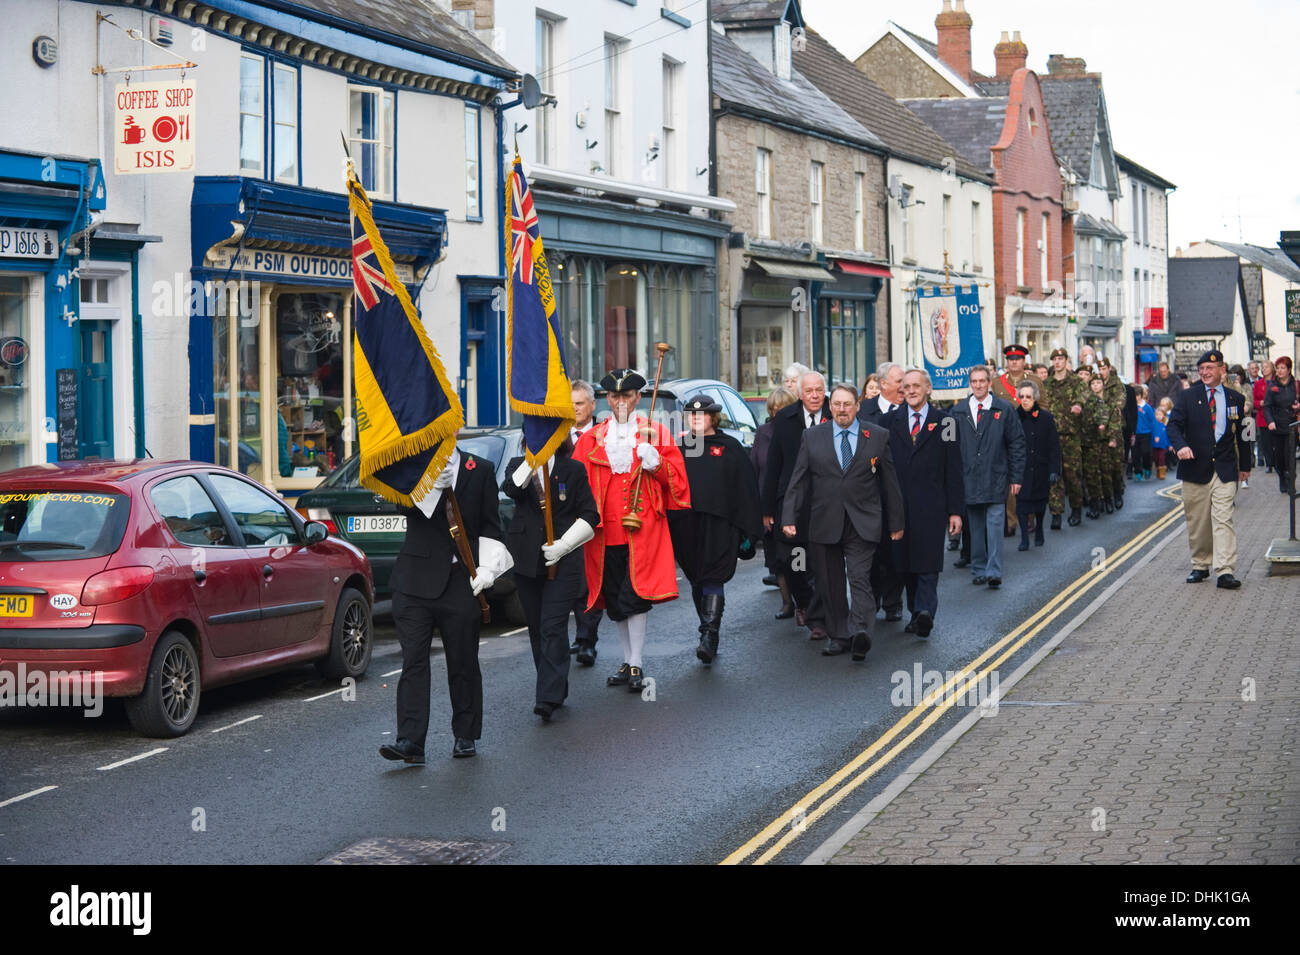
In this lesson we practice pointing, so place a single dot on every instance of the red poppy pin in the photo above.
(930, 426)
(866, 433)
(470, 464)
(997, 415)
(1034, 413)
(716, 450)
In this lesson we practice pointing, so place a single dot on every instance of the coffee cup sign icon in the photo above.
(164, 129)
(131, 133)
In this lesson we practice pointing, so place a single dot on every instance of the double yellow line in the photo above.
(815, 804)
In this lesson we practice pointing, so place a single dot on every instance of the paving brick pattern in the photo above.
(1155, 756)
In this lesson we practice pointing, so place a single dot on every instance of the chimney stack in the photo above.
(1058, 64)
(953, 27)
(1011, 55)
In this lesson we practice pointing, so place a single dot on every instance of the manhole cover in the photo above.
(383, 851)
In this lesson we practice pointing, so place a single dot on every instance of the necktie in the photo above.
(810, 419)
(1214, 413)
(846, 453)
(980, 416)
(916, 424)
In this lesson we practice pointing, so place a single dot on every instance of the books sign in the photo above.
(153, 127)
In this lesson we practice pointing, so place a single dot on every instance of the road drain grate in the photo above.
(387, 851)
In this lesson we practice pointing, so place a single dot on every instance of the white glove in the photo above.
(443, 480)
(578, 534)
(649, 456)
(522, 474)
(482, 581)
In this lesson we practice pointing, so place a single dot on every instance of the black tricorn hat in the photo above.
(623, 379)
(703, 404)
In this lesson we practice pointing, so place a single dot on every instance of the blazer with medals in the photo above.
(1189, 427)
(866, 494)
(992, 454)
(571, 499)
(929, 470)
(424, 564)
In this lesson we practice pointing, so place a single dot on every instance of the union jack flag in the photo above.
(523, 227)
(367, 277)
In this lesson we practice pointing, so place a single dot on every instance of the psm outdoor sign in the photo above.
(1293, 311)
(153, 127)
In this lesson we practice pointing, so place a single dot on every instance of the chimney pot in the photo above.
(1016, 38)
(1010, 55)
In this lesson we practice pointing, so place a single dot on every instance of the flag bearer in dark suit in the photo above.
(923, 442)
(547, 603)
(432, 589)
(723, 518)
(848, 469)
(587, 621)
(1206, 431)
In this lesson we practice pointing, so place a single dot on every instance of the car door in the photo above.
(224, 582)
(295, 581)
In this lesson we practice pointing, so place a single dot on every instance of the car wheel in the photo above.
(170, 699)
(352, 638)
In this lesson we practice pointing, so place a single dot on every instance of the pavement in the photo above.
(1162, 728)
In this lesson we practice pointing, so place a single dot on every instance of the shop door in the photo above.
(471, 384)
(96, 417)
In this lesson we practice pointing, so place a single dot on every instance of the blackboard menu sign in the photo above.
(65, 385)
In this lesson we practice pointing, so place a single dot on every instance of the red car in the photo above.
(166, 577)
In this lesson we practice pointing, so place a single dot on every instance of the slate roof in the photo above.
(1201, 293)
(1275, 260)
(742, 81)
(900, 129)
(1134, 169)
(1252, 288)
(973, 126)
(1072, 105)
(407, 23)
(737, 11)
(928, 45)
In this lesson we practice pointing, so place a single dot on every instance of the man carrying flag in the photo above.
(550, 488)
(407, 418)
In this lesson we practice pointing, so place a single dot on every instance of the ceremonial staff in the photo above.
(630, 520)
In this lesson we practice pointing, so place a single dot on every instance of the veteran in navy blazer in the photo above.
(923, 441)
(848, 469)
(1206, 430)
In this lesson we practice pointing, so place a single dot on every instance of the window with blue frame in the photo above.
(269, 107)
(371, 127)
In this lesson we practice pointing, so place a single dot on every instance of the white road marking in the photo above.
(513, 632)
(34, 792)
(391, 672)
(132, 759)
(221, 729)
(323, 695)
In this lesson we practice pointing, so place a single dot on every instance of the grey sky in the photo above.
(1205, 94)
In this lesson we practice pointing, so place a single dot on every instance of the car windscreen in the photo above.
(489, 446)
(60, 525)
(346, 475)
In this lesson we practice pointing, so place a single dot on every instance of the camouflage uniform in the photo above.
(1115, 395)
(1095, 414)
(1058, 397)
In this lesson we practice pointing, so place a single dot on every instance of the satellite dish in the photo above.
(532, 94)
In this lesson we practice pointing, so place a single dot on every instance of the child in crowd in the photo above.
(1160, 439)
(1146, 419)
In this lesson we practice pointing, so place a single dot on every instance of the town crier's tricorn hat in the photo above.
(623, 379)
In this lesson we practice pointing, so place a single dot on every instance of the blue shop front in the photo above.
(271, 389)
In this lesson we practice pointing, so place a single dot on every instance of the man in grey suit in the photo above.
(993, 462)
(847, 468)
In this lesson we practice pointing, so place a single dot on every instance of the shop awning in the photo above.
(1148, 356)
(864, 268)
(800, 271)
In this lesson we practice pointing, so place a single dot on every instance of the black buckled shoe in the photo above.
(586, 655)
(463, 748)
(635, 679)
(404, 750)
(621, 677)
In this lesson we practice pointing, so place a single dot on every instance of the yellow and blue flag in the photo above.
(407, 412)
(539, 387)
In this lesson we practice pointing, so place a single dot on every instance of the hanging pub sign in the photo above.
(952, 337)
(153, 127)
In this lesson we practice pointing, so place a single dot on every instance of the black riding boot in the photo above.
(697, 594)
(1038, 528)
(708, 648)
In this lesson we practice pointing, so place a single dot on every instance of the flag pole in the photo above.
(546, 512)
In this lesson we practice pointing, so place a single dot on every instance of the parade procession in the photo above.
(731, 432)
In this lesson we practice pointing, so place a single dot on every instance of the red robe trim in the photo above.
(651, 564)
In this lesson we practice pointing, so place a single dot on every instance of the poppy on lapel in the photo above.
(930, 426)
(470, 465)
(716, 450)
(997, 415)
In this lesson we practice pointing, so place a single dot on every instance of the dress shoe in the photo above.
(835, 648)
(979, 581)
(769, 580)
(861, 644)
(463, 748)
(911, 626)
(785, 613)
(586, 655)
(574, 647)
(1056, 522)
(995, 583)
(961, 562)
(893, 616)
(924, 624)
(1196, 576)
(1228, 582)
(404, 750)
(1076, 517)
(800, 617)
(817, 634)
(544, 710)
(621, 677)
(635, 680)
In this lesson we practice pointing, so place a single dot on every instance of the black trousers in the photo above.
(922, 593)
(1142, 452)
(1283, 463)
(587, 620)
(837, 569)
(456, 615)
(547, 604)
(886, 581)
(621, 600)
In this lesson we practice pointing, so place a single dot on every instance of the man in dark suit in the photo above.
(886, 581)
(588, 621)
(432, 589)
(993, 463)
(848, 468)
(923, 441)
(788, 429)
(1206, 431)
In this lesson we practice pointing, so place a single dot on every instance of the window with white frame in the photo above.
(975, 235)
(816, 190)
(1146, 202)
(946, 211)
(906, 203)
(859, 211)
(473, 176)
(669, 144)
(1020, 248)
(545, 65)
(371, 138)
(1043, 252)
(763, 191)
(614, 106)
(1137, 212)
(284, 112)
(252, 114)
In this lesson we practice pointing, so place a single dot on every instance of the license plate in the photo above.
(16, 605)
(377, 524)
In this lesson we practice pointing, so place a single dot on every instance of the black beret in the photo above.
(1213, 355)
(703, 404)
(623, 379)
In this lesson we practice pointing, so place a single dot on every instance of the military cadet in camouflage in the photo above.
(1104, 424)
(1005, 387)
(1095, 417)
(1063, 397)
(1115, 395)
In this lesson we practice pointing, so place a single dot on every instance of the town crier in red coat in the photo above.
(630, 569)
